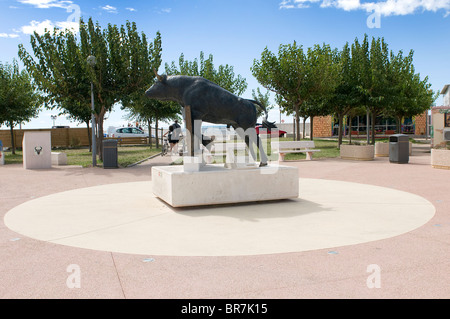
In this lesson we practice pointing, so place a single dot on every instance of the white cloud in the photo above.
(131, 9)
(45, 4)
(165, 10)
(385, 8)
(110, 9)
(41, 27)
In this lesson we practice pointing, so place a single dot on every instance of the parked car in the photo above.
(128, 132)
(274, 131)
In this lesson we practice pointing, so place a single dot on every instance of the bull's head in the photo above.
(38, 150)
(160, 89)
(161, 78)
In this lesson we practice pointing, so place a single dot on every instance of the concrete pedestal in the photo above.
(37, 150)
(59, 158)
(215, 184)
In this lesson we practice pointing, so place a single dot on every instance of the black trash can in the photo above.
(399, 148)
(110, 156)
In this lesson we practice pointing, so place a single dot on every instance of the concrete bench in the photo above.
(284, 147)
(59, 158)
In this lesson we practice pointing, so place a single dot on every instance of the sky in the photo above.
(236, 32)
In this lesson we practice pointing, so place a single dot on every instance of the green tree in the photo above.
(380, 90)
(297, 77)
(284, 75)
(264, 99)
(363, 75)
(345, 96)
(148, 111)
(19, 100)
(61, 71)
(223, 76)
(410, 95)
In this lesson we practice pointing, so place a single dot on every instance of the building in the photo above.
(440, 119)
(327, 126)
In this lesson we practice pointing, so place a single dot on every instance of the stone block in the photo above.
(215, 184)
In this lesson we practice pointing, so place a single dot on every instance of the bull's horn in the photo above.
(159, 77)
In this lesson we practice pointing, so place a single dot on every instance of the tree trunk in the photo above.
(368, 126)
(156, 132)
(297, 122)
(304, 127)
(13, 145)
(373, 128)
(340, 120)
(149, 122)
(89, 136)
(311, 127)
(293, 129)
(100, 119)
(350, 135)
(399, 124)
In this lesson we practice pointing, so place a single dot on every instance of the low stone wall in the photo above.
(440, 158)
(357, 152)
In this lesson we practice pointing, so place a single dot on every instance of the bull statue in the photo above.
(211, 103)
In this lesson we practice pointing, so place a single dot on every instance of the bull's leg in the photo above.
(262, 154)
(246, 136)
(251, 138)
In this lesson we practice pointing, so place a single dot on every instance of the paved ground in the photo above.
(410, 265)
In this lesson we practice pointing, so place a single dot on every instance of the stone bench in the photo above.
(284, 147)
(59, 158)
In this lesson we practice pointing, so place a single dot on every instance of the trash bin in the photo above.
(110, 157)
(399, 148)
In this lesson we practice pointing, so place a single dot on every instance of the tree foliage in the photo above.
(61, 71)
(263, 99)
(223, 76)
(296, 77)
(19, 100)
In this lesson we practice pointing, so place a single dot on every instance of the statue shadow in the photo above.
(254, 211)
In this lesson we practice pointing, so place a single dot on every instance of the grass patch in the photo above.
(127, 155)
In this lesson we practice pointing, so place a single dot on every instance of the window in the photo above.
(446, 119)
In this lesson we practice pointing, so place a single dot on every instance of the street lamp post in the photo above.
(53, 118)
(91, 61)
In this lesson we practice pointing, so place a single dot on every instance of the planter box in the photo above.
(382, 149)
(440, 158)
(357, 152)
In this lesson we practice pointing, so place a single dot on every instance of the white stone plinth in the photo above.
(59, 158)
(215, 184)
(37, 150)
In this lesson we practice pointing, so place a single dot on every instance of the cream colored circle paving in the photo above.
(128, 218)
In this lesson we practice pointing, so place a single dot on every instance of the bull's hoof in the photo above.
(262, 164)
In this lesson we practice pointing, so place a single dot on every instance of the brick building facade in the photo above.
(323, 126)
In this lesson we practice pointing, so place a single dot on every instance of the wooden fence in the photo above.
(68, 137)
(61, 137)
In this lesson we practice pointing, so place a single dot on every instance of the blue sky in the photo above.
(236, 32)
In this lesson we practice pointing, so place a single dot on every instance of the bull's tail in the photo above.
(265, 122)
